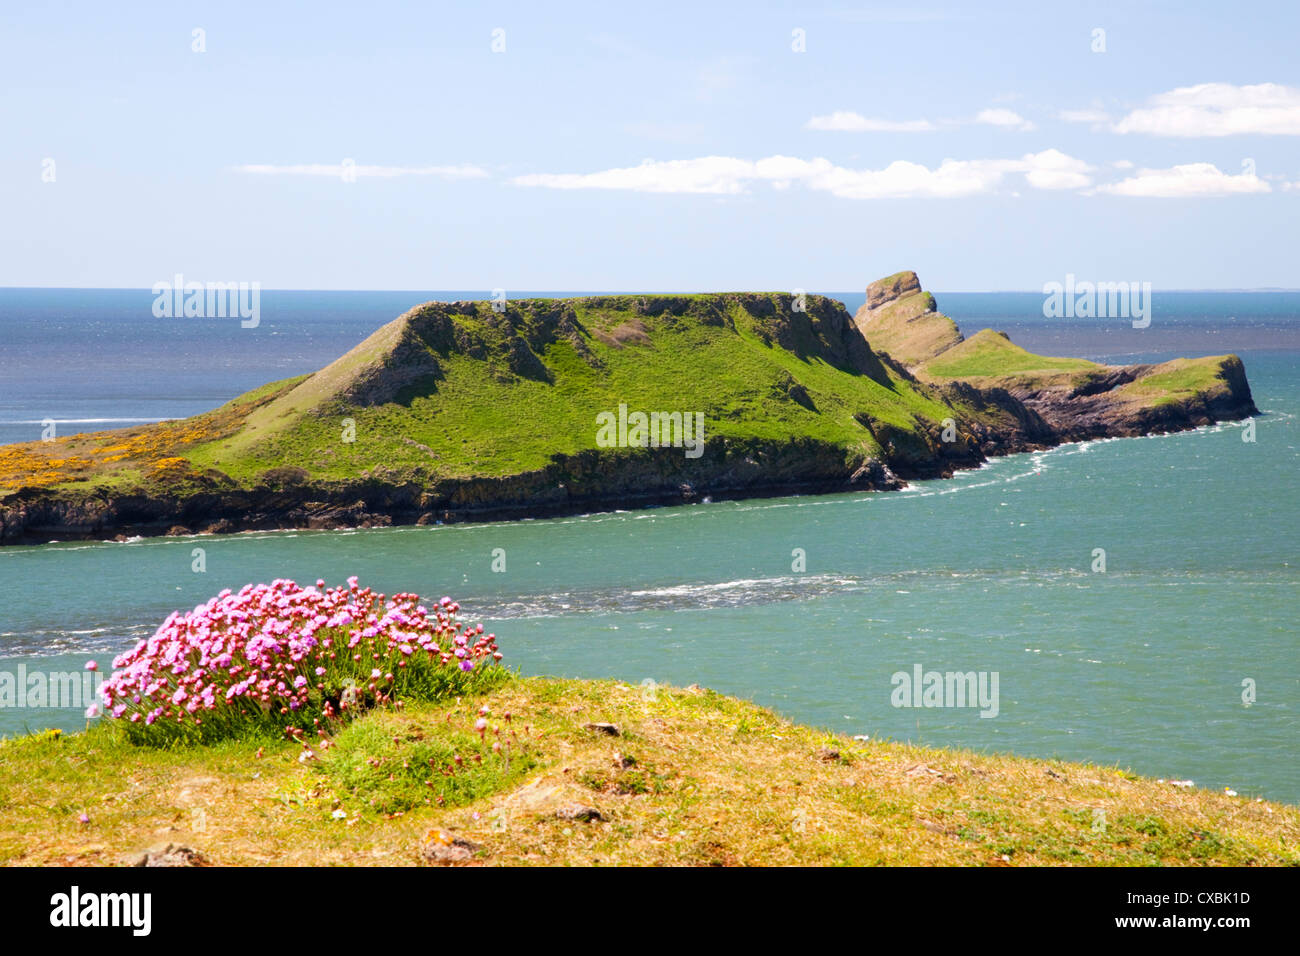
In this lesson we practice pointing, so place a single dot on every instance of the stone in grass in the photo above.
(828, 755)
(173, 855)
(579, 813)
(609, 729)
(443, 849)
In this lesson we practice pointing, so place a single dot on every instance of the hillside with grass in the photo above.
(474, 411)
(1075, 398)
(602, 773)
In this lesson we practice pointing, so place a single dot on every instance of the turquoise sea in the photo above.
(1180, 660)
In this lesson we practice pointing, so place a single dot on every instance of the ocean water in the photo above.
(1180, 660)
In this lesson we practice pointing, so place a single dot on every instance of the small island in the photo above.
(476, 411)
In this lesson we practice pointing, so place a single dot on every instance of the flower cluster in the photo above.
(290, 656)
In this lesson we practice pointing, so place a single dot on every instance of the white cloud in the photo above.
(1192, 179)
(845, 121)
(337, 170)
(1050, 169)
(903, 180)
(1218, 109)
(1123, 164)
(709, 174)
(1008, 119)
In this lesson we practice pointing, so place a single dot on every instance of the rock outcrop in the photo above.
(900, 318)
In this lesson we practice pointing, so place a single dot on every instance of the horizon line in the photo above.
(538, 292)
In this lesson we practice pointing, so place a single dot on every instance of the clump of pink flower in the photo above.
(294, 657)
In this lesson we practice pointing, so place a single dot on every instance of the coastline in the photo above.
(39, 517)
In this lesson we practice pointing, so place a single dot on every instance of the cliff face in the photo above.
(455, 411)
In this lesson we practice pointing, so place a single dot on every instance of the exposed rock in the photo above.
(900, 319)
(579, 814)
(442, 849)
(172, 855)
(607, 729)
(886, 290)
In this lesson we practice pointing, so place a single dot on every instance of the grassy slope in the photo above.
(990, 359)
(1176, 381)
(714, 780)
(930, 343)
(476, 424)
(990, 354)
(479, 419)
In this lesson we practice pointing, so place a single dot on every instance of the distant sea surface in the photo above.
(1181, 660)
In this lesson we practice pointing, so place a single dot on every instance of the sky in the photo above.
(655, 147)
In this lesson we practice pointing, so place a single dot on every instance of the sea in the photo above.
(1132, 601)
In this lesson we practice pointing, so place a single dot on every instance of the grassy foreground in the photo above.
(692, 778)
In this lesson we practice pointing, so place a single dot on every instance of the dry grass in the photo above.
(694, 778)
(125, 455)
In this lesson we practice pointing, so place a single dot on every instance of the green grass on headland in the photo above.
(451, 398)
(457, 391)
(694, 778)
(990, 354)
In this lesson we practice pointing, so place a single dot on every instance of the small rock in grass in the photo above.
(610, 729)
(173, 855)
(827, 755)
(443, 849)
(579, 813)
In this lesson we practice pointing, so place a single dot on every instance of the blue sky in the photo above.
(661, 147)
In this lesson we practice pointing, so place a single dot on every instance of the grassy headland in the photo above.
(693, 778)
(455, 411)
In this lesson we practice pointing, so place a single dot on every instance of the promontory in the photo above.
(461, 411)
